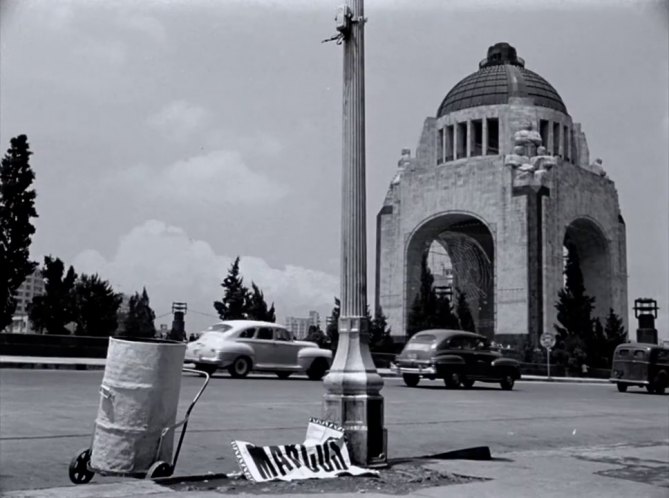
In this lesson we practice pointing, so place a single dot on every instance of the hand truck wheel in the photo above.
(80, 472)
(159, 469)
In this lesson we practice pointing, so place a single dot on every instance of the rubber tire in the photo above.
(467, 383)
(159, 469)
(650, 388)
(507, 382)
(452, 380)
(622, 387)
(411, 380)
(659, 383)
(240, 368)
(317, 369)
(79, 471)
(283, 375)
(207, 368)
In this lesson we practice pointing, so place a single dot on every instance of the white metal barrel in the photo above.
(139, 396)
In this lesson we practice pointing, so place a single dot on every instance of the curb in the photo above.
(99, 364)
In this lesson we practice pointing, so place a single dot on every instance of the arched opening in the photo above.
(588, 241)
(460, 256)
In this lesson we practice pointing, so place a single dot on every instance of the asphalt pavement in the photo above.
(547, 439)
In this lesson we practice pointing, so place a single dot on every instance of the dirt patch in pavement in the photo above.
(398, 479)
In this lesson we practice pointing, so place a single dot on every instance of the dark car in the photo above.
(640, 364)
(460, 358)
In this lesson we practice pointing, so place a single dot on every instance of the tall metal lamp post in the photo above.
(353, 385)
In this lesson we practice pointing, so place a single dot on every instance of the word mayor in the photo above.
(279, 461)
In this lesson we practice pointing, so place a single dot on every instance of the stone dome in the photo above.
(501, 75)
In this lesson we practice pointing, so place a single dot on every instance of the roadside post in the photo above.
(548, 341)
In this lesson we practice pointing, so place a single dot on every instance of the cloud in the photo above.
(105, 53)
(179, 119)
(174, 267)
(147, 25)
(219, 177)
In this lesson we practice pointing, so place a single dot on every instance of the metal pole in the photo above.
(353, 386)
(548, 361)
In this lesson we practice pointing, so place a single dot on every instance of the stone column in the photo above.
(353, 386)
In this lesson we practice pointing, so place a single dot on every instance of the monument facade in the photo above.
(502, 181)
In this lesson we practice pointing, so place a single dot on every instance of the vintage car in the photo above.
(460, 358)
(242, 346)
(641, 364)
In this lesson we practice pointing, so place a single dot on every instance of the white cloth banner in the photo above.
(323, 454)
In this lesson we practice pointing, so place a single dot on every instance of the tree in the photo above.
(380, 340)
(256, 307)
(233, 304)
(424, 307)
(96, 306)
(139, 321)
(464, 313)
(444, 316)
(575, 328)
(332, 330)
(615, 334)
(17, 207)
(53, 310)
(316, 335)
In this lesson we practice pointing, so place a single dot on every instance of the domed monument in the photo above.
(502, 184)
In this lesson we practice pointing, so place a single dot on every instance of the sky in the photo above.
(170, 137)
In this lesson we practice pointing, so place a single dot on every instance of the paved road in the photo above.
(47, 415)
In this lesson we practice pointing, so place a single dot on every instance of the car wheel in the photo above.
(659, 383)
(240, 368)
(467, 383)
(452, 380)
(411, 380)
(507, 382)
(622, 387)
(204, 367)
(283, 375)
(317, 369)
(650, 388)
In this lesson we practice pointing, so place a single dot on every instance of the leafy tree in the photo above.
(52, 311)
(139, 322)
(574, 307)
(17, 207)
(256, 307)
(96, 306)
(332, 330)
(235, 296)
(464, 313)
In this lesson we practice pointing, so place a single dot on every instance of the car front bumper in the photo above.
(416, 369)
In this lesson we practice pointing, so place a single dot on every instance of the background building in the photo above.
(300, 326)
(502, 181)
(31, 287)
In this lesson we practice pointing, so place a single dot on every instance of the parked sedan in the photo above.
(457, 357)
(242, 346)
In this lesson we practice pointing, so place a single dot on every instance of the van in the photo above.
(641, 364)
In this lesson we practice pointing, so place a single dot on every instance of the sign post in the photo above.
(548, 341)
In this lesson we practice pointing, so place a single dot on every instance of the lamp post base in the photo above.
(352, 398)
(361, 415)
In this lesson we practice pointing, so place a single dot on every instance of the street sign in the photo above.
(547, 340)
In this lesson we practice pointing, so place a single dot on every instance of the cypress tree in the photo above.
(17, 207)
(464, 313)
(332, 330)
(235, 295)
(256, 306)
(139, 321)
(425, 305)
